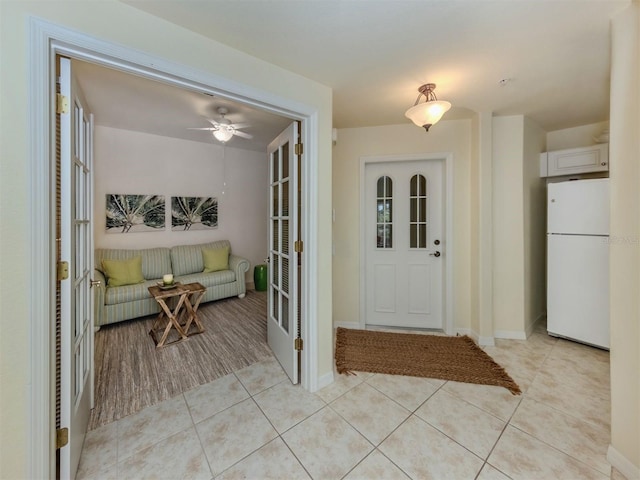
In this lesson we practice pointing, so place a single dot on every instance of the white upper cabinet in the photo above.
(575, 160)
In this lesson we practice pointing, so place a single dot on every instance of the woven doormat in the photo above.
(433, 356)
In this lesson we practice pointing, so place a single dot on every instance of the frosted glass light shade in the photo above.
(427, 113)
(223, 134)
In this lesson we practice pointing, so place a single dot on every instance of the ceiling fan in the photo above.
(223, 129)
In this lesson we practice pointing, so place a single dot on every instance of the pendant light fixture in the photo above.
(431, 111)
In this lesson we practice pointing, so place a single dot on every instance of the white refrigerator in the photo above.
(578, 260)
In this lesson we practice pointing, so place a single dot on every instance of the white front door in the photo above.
(76, 248)
(405, 244)
(282, 294)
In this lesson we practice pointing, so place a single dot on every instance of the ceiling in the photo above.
(546, 59)
(130, 102)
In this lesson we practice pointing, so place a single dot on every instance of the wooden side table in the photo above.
(181, 317)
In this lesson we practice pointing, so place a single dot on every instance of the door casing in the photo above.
(448, 228)
(46, 40)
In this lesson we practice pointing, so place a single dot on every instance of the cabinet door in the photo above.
(578, 160)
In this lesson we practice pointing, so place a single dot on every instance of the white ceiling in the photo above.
(130, 102)
(375, 54)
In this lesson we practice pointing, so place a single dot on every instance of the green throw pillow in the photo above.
(123, 272)
(215, 259)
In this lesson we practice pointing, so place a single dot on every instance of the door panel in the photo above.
(404, 272)
(282, 297)
(384, 287)
(76, 248)
(419, 283)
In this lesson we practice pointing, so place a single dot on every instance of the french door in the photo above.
(283, 322)
(75, 266)
(405, 244)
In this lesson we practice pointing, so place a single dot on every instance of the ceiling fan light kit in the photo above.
(223, 130)
(430, 112)
(223, 133)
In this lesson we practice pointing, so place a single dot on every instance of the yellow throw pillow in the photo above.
(215, 259)
(123, 272)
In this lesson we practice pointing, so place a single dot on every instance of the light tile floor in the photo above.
(253, 424)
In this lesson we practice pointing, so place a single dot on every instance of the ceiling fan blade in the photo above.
(206, 128)
(242, 134)
(239, 125)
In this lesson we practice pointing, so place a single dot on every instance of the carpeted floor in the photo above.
(132, 374)
(435, 356)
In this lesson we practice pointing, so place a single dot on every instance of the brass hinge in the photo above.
(299, 149)
(298, 344)
(298, 246)
(62, 103)
(62, 437)
(63, 271)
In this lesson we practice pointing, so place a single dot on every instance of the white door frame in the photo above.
(45, 41)
(447, 158)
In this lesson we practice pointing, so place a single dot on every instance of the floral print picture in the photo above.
(194, 213)
(135, 213)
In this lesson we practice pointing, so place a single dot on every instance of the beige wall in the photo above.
(115, 22)
(129, 162)
(624, 150)
(518, 226)
(508, 228)
(581, 136)
(535, 225)
(353, 143)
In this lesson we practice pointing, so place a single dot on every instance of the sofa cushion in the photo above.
(210, 279)
(215, 259)
(186, 259)
(123, 272)
(155, 261)
(128, 293)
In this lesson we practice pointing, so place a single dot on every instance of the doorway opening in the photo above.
(49, 41)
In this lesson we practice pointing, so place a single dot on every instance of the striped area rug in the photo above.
(132, 374)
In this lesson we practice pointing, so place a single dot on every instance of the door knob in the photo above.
(435, 254)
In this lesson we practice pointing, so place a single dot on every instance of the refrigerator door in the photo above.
(578, 288)
(579, 207)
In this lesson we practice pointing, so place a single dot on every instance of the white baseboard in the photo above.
(487, 341)
(324, 380)
(482, 341)
(531, 327)
(620, 463)
(352, 325)
(510, 334)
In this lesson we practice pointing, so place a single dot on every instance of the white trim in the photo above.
(487, 341)
(45, 40)
(324, 380)
(510, 334)
(622, 464)
(351, 325)
(41, 463)
(529, 328)
(448, 225)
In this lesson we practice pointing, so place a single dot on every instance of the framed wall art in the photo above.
(135, 213)
(193, 213)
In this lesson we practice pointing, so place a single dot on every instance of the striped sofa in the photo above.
(115, 304)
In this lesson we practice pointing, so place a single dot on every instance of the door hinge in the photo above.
(298, 344)
(62, 437)
(299, 149)
(63, 271)
(62, 103)
(298, 246)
